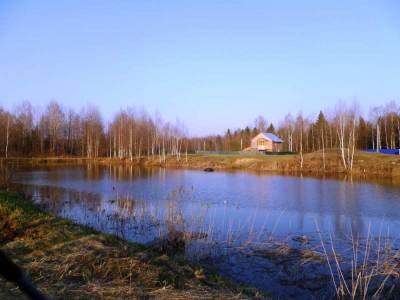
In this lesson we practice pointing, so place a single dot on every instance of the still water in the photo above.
(221, 210)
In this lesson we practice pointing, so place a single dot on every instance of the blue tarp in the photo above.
(385, 151)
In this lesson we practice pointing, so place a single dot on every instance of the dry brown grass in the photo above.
(373, 272)
(365, 164)
(73, 262)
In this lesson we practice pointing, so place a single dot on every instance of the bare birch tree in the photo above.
(346, 127)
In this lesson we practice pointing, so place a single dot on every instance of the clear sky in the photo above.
(212, 64)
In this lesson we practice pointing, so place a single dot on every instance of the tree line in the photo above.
(329, 129)
(133, 134)
(57, 131)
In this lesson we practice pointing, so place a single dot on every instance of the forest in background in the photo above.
(132, 134)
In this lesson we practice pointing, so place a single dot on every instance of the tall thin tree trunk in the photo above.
(386, 134)
(353, 144)
(7, 135)
(378, 137)
(341, 133)
(373, 138)
(323, 148)
(301, 148)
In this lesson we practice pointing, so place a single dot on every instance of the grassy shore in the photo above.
(70, 261)
(365, 164)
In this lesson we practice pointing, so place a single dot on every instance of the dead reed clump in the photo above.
(372, 272)
(282, 253)
(74, 262)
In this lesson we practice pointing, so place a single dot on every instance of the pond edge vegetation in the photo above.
(73, 261)
(330, 162)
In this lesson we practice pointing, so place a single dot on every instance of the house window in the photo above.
(261, 142)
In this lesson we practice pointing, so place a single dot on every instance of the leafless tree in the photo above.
(289, 126)
(261, 124)
(346, 127)
(132, 133)
(300, 133)
(7, 134)
(55, 119)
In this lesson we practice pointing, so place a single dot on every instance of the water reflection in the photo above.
(224, 214)
(283, 204)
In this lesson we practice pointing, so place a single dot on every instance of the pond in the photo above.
(268, 231)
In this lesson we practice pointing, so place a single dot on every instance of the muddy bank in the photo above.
(70, 261)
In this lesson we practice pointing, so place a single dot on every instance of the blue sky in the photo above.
(211, 64)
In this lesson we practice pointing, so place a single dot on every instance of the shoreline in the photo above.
(68, 260)
(38, 240)
(366, 165)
